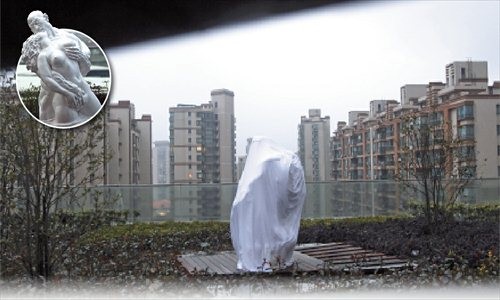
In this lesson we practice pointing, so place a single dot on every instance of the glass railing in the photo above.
(337, 199)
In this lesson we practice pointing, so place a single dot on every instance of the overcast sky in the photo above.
(337, 59)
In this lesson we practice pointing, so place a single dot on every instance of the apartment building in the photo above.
(314, 146)
(129, 141)
(203, 141)
(371, 147)
(203, 150)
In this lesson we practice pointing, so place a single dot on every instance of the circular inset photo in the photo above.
(63, 77)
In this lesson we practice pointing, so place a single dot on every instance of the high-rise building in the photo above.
(314, 149)
(203, 141)
(203, 150)
(161, 162)
(372, 148)
(129, 141)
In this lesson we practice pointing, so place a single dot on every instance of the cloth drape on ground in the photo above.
(266, 211)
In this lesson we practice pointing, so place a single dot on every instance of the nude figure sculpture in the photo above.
(61, 60)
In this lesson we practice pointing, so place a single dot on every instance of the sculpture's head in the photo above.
(37, 21)
(31, 48)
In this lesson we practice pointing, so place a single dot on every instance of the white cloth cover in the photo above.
(266, 211)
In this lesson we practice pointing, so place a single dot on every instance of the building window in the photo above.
(189, 130)
(498, 171)
(498, 109)
(189, 140)
(498, 150)
(465, 112)
(189, 167)
(189, 122)
(189, 157)
(498, 129)
(466, 153)
(467, 131)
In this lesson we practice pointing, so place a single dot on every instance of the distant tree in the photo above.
(434, 162)
(45, 175)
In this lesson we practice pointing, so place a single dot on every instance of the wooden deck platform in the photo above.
(224, 263)
(341, 256)
(307, 258)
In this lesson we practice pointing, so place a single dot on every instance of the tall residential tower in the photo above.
(203, 141)
(314, 146)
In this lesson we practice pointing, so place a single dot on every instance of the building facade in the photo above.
(203, 150)
(314, 148)
(372, 147)
(129, 142)
(203, 141)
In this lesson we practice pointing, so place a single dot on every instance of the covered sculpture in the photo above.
(266, 211)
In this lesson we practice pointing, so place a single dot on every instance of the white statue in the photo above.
(61, 60)
(265, 216)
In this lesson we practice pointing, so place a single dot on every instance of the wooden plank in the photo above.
(213, 267)
(231, 257)
(368, 255)
(301, 248)
(188, 263)
(349, 260)
(228, 263)
(332, 248)
(201, 266)
(350, 249)
(227, 266)
(356, 254)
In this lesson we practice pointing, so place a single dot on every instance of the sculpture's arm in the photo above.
(45, 74)
(80, 53)
(83, 61)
